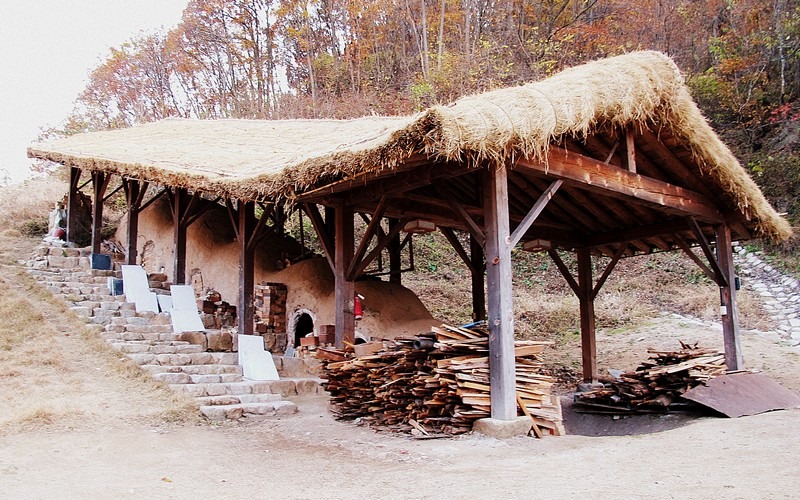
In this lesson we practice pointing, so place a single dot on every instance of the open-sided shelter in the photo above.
(610, 158)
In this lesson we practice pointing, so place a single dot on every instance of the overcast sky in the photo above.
(48, 48)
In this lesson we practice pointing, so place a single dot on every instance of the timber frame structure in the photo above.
(611, 159)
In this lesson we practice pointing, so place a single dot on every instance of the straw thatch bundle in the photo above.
(250, 159)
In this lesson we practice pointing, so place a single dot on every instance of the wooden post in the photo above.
(395, 258)
(99, 185)
(498, 274)
(478, 272)
(72, 203)
(345, 289)
(133, 201)
(586, 298)
(179, 202)
(247, 225)
(728, 307)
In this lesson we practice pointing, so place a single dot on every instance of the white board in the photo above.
(186, 321)
(165, 303)
(134, 281)
(183, 313)
(146, 301)
(183, 297)
(256, 362)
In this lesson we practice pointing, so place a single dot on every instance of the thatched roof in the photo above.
(250, 159)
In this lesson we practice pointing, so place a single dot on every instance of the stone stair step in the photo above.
(199, 358)
(230, 399)
(195, 369)
(224, 388)
(215, 378)
(237, 411)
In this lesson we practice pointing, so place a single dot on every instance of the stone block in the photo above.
(306, 386)
(285, 388)
(173, 378)
(502, 429)
(285, 408)
(195, 338)
(293, 367)
(220, 341)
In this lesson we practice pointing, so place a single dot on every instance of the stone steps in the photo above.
(200, 358)
(139, 347)
(237, 411)
(230, 399)
(147, 338)
(194, 369)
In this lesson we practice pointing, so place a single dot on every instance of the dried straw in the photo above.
(249, 159)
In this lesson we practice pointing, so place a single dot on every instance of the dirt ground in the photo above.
(120, 445)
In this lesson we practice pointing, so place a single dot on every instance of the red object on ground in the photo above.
(59, 233)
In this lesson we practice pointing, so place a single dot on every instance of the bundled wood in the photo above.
(438, 382)
(656, 383)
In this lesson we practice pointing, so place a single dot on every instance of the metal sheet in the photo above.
(741, 394)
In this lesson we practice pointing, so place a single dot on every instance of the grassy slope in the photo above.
(54, 370)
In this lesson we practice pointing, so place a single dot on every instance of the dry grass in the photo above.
(56, 372)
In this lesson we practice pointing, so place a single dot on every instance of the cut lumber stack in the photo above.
(437, 382)
(656, 383)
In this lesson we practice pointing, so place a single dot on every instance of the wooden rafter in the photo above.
(721, 280)
(358, 267)
(457, 246)
(474, 229)
(630, 149)
(322, 234)
(534, 212)
(369, 233)
(594, 175)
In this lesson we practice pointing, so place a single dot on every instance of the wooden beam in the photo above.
(586, 299)
(369, 233)
(247, 228)
(72, 204)
(683, 245)
(322, 232)
(133, 197)
(344, 288)
(564, 270)
(630, 148)
(233, 216)
(473, 228)
(478, 273)
(352, 183)
(259, 229)
(153, 199)
(594, 175)
(611, 153)
(729, 308)
(534, 212)
(457, 246)
(99, 185)
(360, 266)
(179, 203)
(721, 278)
(112, 193)
(501, 312)
(607, 271)
(395, 255)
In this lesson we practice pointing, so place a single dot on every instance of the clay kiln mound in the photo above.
(390, 310)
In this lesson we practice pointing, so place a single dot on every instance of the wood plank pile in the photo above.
(656, 383)
(436, 382)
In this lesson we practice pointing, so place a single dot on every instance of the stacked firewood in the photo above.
(656, 383)
(437, 382)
